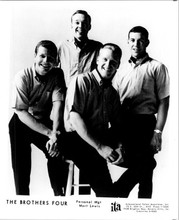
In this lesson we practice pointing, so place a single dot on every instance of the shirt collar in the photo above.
(101, 82)
(140, 61)
(39, 78)
(74, 41)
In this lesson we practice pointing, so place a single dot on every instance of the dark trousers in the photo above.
(90, 163)
(21, 137)
(137, 134)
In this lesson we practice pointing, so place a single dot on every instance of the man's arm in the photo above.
(57, 118)
(161, 120)
(32, 123)
(35, 125)
(162, 113)
(57, 115)
(79, 125)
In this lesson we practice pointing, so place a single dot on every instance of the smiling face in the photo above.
(80, 25)
(44, 61)
(138, 44)
(107, 63)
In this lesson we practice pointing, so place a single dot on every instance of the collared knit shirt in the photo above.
(74, 60)
(36, 95)
(153, 87)
(98, 104)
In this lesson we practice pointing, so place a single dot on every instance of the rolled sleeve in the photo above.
(58, 95)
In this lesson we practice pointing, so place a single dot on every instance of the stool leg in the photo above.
(92, 193)
(76, 180)
(70, 179)
(76, 183)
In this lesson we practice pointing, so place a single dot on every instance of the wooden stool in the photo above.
(73, 180)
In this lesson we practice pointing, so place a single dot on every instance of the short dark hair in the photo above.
(115, 48)
(139, 29)
(83, 13)
(49, 45)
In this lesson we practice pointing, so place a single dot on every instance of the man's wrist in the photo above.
(54, 136)
(48, 133)
(158, 131)
(56, 133)
(99, 146)
(51, 133)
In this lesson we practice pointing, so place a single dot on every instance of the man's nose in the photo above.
(108, 63)
(80, 24)
(46, 59)
(136, 43)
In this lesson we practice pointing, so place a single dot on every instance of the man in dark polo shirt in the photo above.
(92, 121)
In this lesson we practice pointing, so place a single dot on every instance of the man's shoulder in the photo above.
(82, 76)
(25, 73)
(64, 43)
(94, 43)
(70, 42)
(157, 65)
(57, 74)
(85, 78)
(155, 61)
(23, 77)
(56, 71)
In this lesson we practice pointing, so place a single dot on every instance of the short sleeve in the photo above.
(162, 81)
(20, 92)
(59, 88)
(58, 94)
(80, 94)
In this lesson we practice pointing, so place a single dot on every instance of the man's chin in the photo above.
(44, 72)
(80, 37)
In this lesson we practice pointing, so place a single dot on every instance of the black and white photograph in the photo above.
(89, 110)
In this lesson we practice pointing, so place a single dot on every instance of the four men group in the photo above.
(87, 108)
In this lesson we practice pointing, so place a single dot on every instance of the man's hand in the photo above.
(120, 158)
(108, 153)
(51, 144)
(156, 142)
(52, 148)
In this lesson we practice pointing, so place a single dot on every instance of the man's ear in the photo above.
(89, 28)
(97, 59)
(118, 64)
(97, 56)
(147, 42)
